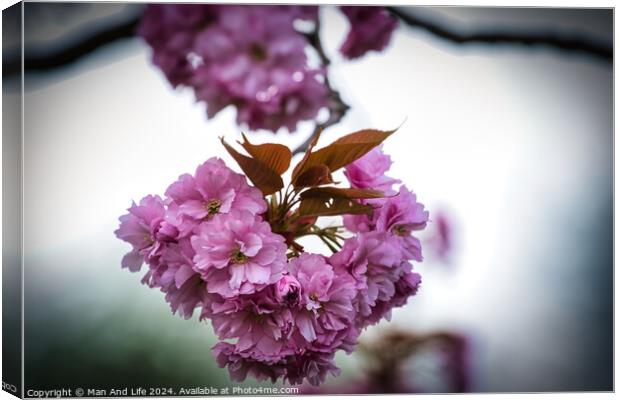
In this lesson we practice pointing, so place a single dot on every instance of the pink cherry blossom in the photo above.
(401, 215)
(237, 253)
(368, 172)
(326, 300)
(186, 294)
(281, 313)
(257, 322)
(261, 69)
(170, 30)
(374, 260)
(314, 366)
(371, 28)
(170, 261)
(140, 228)
(243, 364)
(173, 274)
(404, 288)
(288, 291)
(213, 189)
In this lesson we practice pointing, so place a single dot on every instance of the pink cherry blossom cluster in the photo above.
(253, 57)
(209, 246)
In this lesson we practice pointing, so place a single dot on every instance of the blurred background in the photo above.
(509, 145)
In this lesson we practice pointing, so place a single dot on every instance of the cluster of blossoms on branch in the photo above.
(255, 58)
(230, 251)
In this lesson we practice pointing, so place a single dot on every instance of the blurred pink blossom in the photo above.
(251, 57)
(440, 240)
(371, 28)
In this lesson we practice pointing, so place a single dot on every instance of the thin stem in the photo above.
(331, 247)
(326, 235)
(290, 205)
(315, 41)
(284, 206)
(314, 230)
(333, 240)
(289, 191)
(335, 105)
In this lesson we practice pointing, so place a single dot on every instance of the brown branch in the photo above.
(68, 54)
(337, 110)
(336, 106)
(574, 44)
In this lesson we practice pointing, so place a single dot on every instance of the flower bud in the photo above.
(288, 290)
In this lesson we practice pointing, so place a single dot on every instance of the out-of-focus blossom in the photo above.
(237, 253)
(370, 29)
(314, 366)
(408, 362)
(242, 364)
(440, 240)
(170, 31)
(251, 57)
